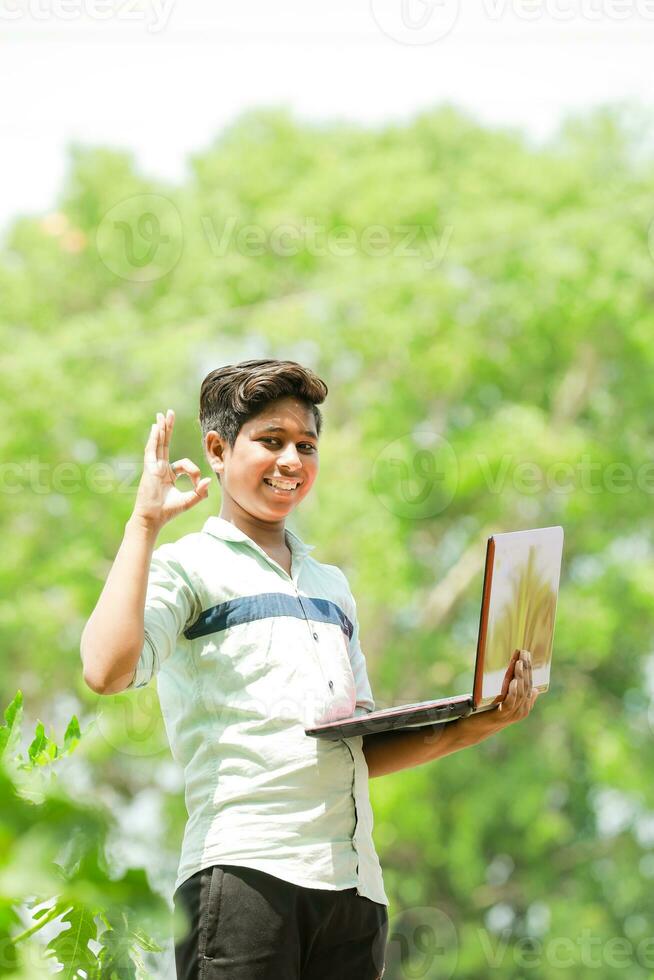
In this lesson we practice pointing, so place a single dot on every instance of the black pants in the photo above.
(245, 924)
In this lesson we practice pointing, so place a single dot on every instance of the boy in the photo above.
(252, 640)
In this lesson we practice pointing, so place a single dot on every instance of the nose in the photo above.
(289, 458)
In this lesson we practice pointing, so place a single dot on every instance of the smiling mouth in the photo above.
(282, 488)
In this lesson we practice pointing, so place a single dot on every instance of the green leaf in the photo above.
(146, 942)
(72, 736)
(115, 957)
(10, 732)
(38, 743)
(43, 749)
(41, 912)
(71, 946)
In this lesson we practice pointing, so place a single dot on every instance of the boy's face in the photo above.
(281, 442)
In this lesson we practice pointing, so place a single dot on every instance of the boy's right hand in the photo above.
(157, 499)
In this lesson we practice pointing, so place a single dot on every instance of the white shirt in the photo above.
(246, 657)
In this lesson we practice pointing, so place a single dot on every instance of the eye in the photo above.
(307, 445)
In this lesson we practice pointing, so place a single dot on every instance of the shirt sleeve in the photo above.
(171, 603)
(365, 701)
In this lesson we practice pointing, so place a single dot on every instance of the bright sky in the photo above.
(162, 77)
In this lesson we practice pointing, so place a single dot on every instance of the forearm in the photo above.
(112, 639)
(388, 752)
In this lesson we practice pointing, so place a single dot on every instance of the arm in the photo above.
(388, 752)
(113, 637)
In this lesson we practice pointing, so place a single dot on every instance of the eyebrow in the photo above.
(279, 428)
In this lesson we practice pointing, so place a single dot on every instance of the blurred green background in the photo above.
(481, 309)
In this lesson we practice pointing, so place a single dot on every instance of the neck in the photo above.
(267, 534)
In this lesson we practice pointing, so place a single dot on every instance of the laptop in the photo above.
(518, 609)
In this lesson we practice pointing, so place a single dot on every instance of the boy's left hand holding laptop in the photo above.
(517, 699)
(412, 747)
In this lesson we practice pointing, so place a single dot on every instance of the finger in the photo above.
(151, 446)
(510, 673)
(527, 676)
(520, 675)
(194, 496)
(168, 428)
(530, 671)
(162, 436)
(159, 436)
(187, 466)
(526, 684)
(508, 705)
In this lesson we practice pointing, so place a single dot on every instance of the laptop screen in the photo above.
(521, 587)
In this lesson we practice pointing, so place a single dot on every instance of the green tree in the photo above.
(481, 308)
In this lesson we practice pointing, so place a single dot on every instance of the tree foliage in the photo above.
(53, 856)
(481, 309)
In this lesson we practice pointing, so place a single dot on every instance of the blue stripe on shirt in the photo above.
(267, 605)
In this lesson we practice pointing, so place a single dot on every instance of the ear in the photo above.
(214, 451)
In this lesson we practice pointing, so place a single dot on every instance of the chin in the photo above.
(273, 506)
(285, 505)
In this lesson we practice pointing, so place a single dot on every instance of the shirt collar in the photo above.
(220, 528)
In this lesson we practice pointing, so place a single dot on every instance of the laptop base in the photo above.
(395, 719)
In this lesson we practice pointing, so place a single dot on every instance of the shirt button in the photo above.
(315, 636)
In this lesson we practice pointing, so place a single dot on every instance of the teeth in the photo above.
(280, 485)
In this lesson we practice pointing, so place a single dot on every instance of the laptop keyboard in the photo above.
(421, 704)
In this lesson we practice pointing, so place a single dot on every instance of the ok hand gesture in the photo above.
(157, 499)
